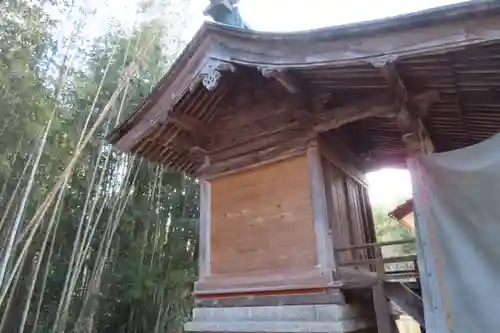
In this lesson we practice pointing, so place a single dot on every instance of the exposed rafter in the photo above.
(380, 106)
(409, 118)
(305, 108)
(281, 75)
(399, 105)
(383, 106)
(186, 122)
(437, 31)
(186, 142)
(238, 151)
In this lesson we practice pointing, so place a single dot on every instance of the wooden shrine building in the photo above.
(280, 129)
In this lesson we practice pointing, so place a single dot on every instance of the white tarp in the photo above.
(457, 210)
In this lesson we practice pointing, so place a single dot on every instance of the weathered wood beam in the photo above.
(264, 281)
(395, 83)
(305, 116)
(188, 142)
(186, 122)
(187, 135)
(385, 324)
(415, 135)
(339, 116)
(265, 139)
(420, 104)
(258, 134)
(320, 296)
(304, 111)
(380, 107)
(270, 140)
(406, 299)
(290, 82)
(342, 158)
(273, 153)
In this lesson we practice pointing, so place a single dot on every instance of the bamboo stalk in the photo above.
(51, 224)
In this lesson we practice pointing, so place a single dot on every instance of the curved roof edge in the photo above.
(377, 42)
(439, 15)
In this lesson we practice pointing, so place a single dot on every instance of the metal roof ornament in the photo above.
(225, 12)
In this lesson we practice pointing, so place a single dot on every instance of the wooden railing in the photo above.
(378, 263)
(384, 278)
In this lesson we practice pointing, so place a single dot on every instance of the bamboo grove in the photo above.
(91, 240)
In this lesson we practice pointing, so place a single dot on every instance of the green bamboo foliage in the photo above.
(91, 240)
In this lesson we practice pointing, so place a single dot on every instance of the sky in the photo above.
(386, 186)
(293, 15)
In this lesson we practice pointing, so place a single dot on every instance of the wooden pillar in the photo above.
(385, 322)
(204, 231)
(417, 141)
(324, 244)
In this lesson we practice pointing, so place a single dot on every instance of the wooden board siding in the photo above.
(347, 211)
(338, 210)
(262, 219)
(356, 214)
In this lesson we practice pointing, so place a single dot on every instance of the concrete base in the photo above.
(332, 318)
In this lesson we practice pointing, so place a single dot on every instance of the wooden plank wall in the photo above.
(348, 212)
(262, 219)
(338, 210)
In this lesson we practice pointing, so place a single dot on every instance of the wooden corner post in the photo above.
(204, 231)
(324, 243)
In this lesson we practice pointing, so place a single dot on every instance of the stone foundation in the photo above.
(332, 318)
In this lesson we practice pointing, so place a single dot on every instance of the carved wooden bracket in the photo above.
(211, 73)
(282, 76)
(414, 134)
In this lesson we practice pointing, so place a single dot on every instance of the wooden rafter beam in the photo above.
(186, 136)
(294, 85)
(187, 123)
(267, 140)
(409, 118)
(380, 107)
(186, 142)
(287, 80)
(190, 136)
(324, 120)
(393, 106)
(395, 83)
(276, 152)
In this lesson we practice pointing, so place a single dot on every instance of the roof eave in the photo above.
(225, 34)
(167, 79)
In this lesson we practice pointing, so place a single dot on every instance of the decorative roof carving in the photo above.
(211, 73)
